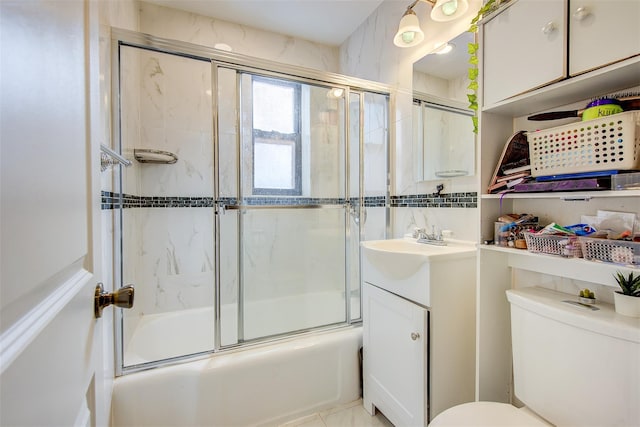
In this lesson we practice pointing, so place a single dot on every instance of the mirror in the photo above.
(443, 136)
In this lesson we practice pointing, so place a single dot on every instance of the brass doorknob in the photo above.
(123, 298)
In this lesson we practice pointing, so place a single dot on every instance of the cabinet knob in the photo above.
(549, 27)
(415, 336)
(581, 13)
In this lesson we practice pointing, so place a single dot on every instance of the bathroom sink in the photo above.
(402, 257)
(408, 268)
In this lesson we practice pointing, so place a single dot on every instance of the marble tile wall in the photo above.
(169, 251)
(189, 27)
(369, 53)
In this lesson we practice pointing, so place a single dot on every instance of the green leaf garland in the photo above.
(473, 48)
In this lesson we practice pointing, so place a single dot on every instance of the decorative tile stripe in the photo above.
(116, 201)
(112, 200)
(270, 201)
(375, 201)
(450, 200)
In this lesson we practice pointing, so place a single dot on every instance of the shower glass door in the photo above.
(254, 232)
(167, 220)
(292, 210)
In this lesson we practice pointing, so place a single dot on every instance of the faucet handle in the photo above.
(418, 233)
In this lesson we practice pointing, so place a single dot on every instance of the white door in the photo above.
(602, 32)
(51, 371)
(395, 357)
(524, 48)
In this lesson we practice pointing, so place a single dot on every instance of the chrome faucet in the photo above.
(435, 238)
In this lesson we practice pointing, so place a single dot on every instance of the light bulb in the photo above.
(408, 36)
(450, 7)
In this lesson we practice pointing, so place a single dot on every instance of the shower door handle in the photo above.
(358, 216)
(122, 298)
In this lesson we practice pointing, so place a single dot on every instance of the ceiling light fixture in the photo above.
(335, 93)
(409, 31)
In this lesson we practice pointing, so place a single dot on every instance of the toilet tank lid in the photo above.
(549, 303)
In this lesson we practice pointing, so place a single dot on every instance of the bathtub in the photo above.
(259, 386)
(173, 334)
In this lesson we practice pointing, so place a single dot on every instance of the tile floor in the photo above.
(350, 415)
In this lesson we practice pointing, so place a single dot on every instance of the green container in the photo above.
(601, 108)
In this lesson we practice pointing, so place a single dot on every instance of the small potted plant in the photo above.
(587, 296)
(627, 300)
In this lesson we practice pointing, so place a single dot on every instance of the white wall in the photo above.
(369, 53)
(193, 28)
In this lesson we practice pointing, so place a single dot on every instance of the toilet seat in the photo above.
(486, 414)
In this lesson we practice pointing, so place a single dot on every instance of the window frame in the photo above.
(295, 139)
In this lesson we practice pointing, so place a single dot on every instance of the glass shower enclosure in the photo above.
(253, 233)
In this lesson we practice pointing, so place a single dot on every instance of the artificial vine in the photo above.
(472, 48)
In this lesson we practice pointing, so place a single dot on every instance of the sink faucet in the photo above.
(435, 238)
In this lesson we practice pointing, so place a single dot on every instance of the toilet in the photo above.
(571, 365)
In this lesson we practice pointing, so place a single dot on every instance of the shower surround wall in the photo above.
(184, 26)
(168, 220)
(274, 254)
(369, 53)
(205, 31)
(176, 262)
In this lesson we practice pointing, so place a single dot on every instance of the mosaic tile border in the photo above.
(112, 200)
(450, 200)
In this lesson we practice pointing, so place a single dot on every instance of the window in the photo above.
(276, 137)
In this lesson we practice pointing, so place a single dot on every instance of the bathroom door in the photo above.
(51, 370)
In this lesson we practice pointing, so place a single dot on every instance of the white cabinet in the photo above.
(418, 316)
(602, 32)
(529, 44)
(395, 349)
(603, 46)
(524, 48)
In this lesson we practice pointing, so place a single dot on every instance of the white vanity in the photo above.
(419, 328)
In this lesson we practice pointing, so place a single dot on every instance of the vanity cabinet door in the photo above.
(524, 48)
(395, 362)
(602, 32)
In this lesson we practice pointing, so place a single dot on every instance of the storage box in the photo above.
(615, 251)
(625, 181)
(609, 143)
(511, 236)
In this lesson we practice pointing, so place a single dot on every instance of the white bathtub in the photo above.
(263, 385)
(172, 334)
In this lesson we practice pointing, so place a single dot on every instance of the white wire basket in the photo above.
(609, 143)
(614, 251)
(552, 244)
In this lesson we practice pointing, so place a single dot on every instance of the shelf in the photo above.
(567, 195)
(572, 268)
(615, 77)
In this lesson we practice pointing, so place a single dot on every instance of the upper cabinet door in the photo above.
(524, 48)
(602, 32)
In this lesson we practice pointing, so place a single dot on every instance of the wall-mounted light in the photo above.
(409, 31)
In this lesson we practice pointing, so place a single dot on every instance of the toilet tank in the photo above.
(574, 366)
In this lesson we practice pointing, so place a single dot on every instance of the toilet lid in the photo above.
(485, 414)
